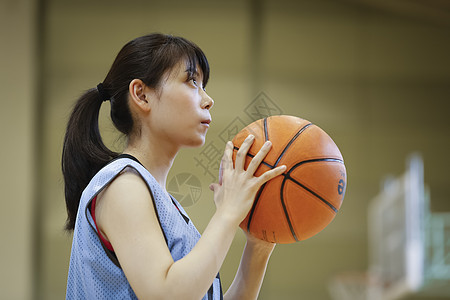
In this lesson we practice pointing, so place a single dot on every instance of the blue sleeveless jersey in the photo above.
(94, 272)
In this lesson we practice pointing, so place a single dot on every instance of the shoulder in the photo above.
(128, 180)
(127, 195)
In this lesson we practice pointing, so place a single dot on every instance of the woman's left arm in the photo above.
(250, 274)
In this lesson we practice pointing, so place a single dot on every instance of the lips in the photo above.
(206, 121)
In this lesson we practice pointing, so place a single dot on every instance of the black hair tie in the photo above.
(104, 96)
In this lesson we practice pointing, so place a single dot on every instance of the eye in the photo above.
(192, 80)
(196, 83)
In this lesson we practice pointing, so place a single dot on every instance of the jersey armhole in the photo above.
(110, 253)
(104, 241)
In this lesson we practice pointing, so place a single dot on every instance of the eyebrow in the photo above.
(195, 72)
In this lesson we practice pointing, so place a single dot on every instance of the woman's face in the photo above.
(180, 113)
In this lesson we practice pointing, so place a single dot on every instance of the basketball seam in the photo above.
(288, 177)
(255, 202)
(262, 187)
(327, 159)
(266, 132)
(286, 214)
(291, 141)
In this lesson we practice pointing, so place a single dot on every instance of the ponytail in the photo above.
(84, 152)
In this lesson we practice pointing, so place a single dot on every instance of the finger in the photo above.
(266, 176)
(259, 157)
(227, 159)
(241, 155)
(220, 173)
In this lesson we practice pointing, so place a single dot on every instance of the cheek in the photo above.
(179, 101)
(177, 109)
(186, 102)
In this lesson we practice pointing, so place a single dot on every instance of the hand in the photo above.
(237, 187)
(259, 244)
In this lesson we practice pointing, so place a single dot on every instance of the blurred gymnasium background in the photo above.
(374, 74)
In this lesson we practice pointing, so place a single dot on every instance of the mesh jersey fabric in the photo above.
(92, 273)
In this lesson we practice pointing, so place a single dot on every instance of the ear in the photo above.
(139, 95)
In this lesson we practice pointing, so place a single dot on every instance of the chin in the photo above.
(195, 143)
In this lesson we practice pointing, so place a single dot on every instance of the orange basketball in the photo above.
(303, 200)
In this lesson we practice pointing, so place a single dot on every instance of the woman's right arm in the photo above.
(126, 216)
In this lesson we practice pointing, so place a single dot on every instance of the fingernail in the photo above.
(268, 143)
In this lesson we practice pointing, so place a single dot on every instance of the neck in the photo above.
(157, 158)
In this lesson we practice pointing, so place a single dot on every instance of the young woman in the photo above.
(131, 238)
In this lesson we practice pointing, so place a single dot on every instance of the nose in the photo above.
(207, 101)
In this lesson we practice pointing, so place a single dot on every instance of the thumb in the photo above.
(213, 186)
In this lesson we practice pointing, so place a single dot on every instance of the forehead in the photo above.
(180, 72)
(183, 70)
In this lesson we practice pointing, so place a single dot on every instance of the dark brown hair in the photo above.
(146, 58)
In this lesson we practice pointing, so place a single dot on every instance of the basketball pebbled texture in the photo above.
(303, 200)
